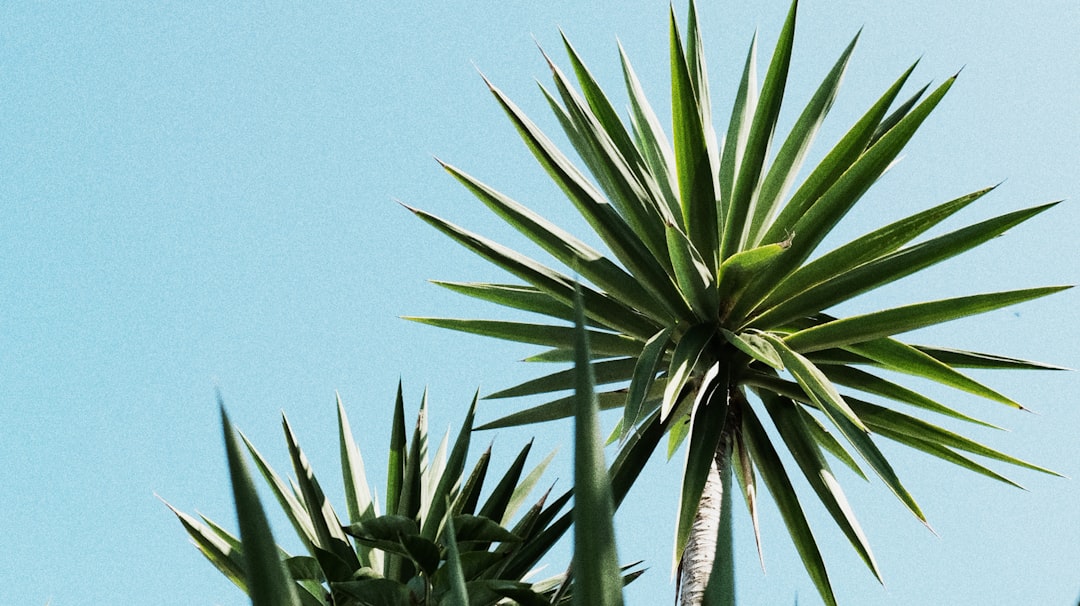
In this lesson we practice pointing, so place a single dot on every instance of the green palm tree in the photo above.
(437, 543)
(710, 313)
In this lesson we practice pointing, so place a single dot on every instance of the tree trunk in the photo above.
(699, 561)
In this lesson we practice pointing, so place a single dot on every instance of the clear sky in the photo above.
(202, 194)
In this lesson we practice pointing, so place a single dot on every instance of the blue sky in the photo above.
(203, 195)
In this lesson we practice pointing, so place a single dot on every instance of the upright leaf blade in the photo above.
(692, 156)
(288, 500)
(220, 552)
(648, 364)
(651, 139)
(596, 564)
(684, 360)
(357, 493)
(325, 521)
(358, 496)
(269, 583)
(395, 472)
(742, 116)
(449, 480)
(790, 158)
(524, 487)
(603, 110)
(843, 156)
(495, 508)
(696, 280)
(637, 201)
(737, 219)
(834, 203)
(458, 594)
(612, 229)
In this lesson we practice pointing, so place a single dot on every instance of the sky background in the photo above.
(201, 195)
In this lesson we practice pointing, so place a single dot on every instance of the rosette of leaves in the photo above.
(712, 311)
(438, 542)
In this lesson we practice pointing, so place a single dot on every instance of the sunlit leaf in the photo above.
(789, 158)
(815, 383)
(695, 278)
(221, 553)
(645, 369)
(848, 284)
(755, 346)
(863, 249)
(743, 268)
(739, 209)
(324, 519)
(450, 479)
(652, 141)
(800, 442)
(625, 245)
(692, 157)
(358, 497)
(867, 327)
(683, 362)
(776, 479)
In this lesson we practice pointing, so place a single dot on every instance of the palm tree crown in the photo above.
(710, 311)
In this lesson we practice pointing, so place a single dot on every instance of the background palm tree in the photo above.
(714, 316)
(437, 542)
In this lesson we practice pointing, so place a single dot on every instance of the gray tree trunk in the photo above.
(700, 555)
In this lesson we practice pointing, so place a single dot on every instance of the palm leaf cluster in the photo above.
(439, 542)
(711, 312)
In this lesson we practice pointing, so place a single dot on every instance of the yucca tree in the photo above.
(437, 543)
(712, 310)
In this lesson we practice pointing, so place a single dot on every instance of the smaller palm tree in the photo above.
(439, 542)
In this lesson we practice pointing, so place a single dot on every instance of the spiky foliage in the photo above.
(595, 560)
(439, 542)
(712, 311)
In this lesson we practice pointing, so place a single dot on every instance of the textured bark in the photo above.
(697, 560)
(700, 551)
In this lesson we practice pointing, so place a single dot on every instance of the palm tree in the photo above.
(712, 313)
(437, 543)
